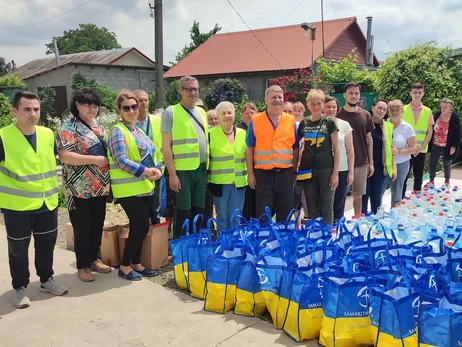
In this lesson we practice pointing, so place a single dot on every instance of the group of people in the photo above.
(269, 164)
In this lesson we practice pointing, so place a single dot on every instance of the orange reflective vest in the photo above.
(273, 147)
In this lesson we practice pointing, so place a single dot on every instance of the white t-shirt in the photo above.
(344, 129)
(400, 136)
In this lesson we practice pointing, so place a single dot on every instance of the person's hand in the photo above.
(394, 150)
(252, 181)
(371, 170)
(174, 183)
(418, 150)
(333, 183)
(100, 161)
(394, 175)
(149, 171)
(452, 150)
(156, 176)
(350, 178)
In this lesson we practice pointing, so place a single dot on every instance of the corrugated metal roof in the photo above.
(99, 58)
(280, 48)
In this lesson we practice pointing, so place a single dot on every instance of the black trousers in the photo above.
(139, 213)
(156, 204)
(275, 189)
(19, 228)
(417, 165)
(340, 195)
(250, 202)
(87, 221)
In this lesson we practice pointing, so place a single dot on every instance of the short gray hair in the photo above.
(140, 91)
(222, 105)
(446, 101)
(185, 79)
(273, 88)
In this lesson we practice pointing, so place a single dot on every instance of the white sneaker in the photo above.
(53, 287)
(21, 300)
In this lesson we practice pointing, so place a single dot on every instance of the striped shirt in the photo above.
(119, 150)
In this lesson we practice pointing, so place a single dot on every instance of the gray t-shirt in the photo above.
(166, 126)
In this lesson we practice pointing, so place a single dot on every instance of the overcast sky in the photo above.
(397, 24)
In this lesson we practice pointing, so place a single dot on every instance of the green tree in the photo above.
(172, 94)
(425, 63)
(87, 38)
(343, 71)
(6, 114)
(3, 67)
(12, 81)
(47, 95)
(197, 39)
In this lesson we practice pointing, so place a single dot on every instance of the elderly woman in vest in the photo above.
(318, 170)
(384, 163)
(446, 139)
(81, 142)
(227, 172)
(133, 172)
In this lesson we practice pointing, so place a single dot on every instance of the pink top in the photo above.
(416, 113)
(441, 133)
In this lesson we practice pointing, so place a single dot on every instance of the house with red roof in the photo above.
(258, 56)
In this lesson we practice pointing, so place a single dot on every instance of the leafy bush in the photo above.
(152, 102)
(344, 71)
(261, 106)
(108, 119)
(12, 80)
(172, 94)
(47, 96)
(223, 89)
(6, 115)
(108, 95)
(62, 199)
(296, 86)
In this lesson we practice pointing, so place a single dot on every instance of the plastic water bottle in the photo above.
(449, 233)
(402, 236)
(350, 224)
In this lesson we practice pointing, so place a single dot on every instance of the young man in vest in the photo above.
(272, 156)
(361, 122)
(150, 124)
(184, 145)
(29, 196)
(420, 117)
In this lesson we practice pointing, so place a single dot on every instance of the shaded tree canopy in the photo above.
(197, 39)
(87, 38)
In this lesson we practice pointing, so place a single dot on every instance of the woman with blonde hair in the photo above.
(319, 164)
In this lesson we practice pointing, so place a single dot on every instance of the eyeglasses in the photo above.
(133, 107)
(191, 90)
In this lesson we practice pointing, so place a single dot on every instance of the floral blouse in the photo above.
(82, 181)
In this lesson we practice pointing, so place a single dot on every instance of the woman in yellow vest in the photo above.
(227, 171)
(384, 163)
(133, 172)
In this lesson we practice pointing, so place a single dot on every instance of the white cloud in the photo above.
(397, 24)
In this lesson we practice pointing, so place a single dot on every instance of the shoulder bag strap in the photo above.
(194, 118)
(100, 138)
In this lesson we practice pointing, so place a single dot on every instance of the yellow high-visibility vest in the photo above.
(388, 135)
(227, 161)
(421, 127)
(27, 177)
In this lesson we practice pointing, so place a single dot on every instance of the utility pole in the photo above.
(158, 52)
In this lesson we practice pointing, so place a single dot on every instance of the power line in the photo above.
(291, 12)
(282, 67)
(49, 19)
(13, 3)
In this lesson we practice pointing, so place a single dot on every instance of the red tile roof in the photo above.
(283, 48)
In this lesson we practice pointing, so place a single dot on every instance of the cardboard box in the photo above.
(154, 253)
(110, 246)
(123, 237)
(69, 237)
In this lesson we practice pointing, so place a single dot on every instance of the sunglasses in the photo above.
(134, 107)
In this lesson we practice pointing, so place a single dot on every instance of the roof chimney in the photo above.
(369, 43)
(58, 58)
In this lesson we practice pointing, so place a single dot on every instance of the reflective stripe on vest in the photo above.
(273, 147)
(27, 177)
(421, 127)
(124, 184)
(185, 143)
(227, 162)
(388, 135)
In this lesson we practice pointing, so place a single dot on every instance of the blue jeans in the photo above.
(397, 185)
(231, 199)
(374, 191)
